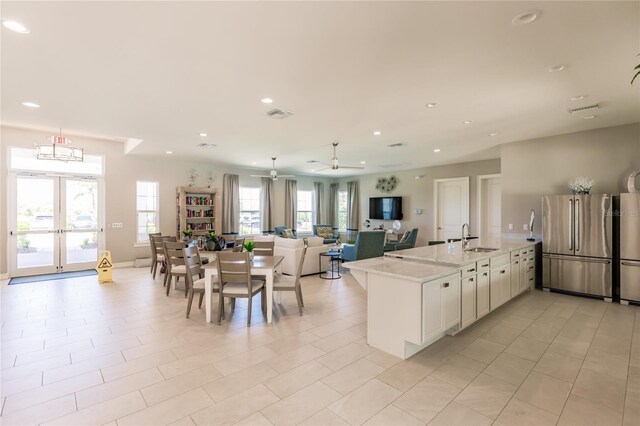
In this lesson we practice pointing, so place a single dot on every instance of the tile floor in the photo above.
(78, 353)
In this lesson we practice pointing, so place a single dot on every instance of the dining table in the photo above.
(260, 265)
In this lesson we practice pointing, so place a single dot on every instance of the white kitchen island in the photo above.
(417, 296)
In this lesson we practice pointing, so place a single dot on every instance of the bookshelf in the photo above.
(197, 210)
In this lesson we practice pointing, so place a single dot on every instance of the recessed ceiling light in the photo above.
(377, 132)
(266, 100)
(432, 105)
(436, 150)
(526, 17)
(417, 177)
(577, 98)
(589, 117)
(207, 145)
(204, 135)
(363, 162)
(254, 163)
(467, 122)
(169, 152)
(31, 104)
(557, 68)
(494, 134)
(16, 26)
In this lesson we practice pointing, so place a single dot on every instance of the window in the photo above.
(147, 208)
(249, 211)
(305, 211)
(342, 211)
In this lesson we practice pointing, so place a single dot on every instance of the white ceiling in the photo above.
(166, 71)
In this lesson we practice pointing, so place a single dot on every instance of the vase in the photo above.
(251, 255)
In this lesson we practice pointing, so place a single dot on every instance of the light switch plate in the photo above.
(116, 225)
(525, 226)
(511, 226)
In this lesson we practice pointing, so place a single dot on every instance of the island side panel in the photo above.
(394, 313)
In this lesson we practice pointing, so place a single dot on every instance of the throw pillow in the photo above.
(324, 231)
(287, 233)
(405, 237)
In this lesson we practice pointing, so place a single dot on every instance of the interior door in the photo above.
(452, 201)
(79, 223)
(490, 205)
(34, 228)
(558, 225)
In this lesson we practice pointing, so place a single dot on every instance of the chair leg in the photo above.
(200, 302)
(220, 307)
(154, 266)
(299, 297)
(233, 304)
(186, 287)
(249, 310)
(189, 303)
(263, 300)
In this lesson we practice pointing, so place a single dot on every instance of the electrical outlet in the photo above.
(525, 226)
(116, 225)
(511, 227)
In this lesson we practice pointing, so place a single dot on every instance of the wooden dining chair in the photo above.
(174, 256)
(195, 277)
(234, 278)
(290, 283)
(158, 242)
(238, 245)
(154, 252)
(263, 248)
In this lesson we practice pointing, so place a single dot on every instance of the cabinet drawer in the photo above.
(515, 255)
(483, 265)
(503, 259)
(523, 253)
(531, 258)
(531, 250)
(468, 270)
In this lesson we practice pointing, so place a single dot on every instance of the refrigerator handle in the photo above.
(627, 263)
(577, 226)
(570, 224)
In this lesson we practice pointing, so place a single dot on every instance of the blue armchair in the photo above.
(329, 234)
(368, 244)
(405, 243)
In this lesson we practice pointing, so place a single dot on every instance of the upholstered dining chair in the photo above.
(174, 256)
(195, 277)
(234, 278)
(154, 253)
(238, 245)
(290, 283)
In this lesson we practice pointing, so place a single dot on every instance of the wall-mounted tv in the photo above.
(385, 208)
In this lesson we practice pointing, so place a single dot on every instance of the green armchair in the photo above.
(405, 243)
(327, 232)
(368, 244)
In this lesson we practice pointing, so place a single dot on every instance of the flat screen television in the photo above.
(385, 208)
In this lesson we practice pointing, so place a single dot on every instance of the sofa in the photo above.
(291, 249)
(367, 245)
(329, 234)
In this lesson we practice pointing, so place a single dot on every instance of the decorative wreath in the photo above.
(387, 185)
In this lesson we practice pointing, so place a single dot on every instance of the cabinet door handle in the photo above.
(484, 275)
(503, 271)
(446, 285)
(471, 279)
(471, 270)
(485, 266)
(516, 262)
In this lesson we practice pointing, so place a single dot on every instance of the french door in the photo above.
(54, 224)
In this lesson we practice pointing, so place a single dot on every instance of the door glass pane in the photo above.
(35, 250)
(82, 204)
(34, 204)
(82, 247)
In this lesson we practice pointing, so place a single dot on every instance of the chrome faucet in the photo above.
(463, 238)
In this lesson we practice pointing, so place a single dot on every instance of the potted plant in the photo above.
(581, 185)
(249, 246)
(214, 242)
(187, 234)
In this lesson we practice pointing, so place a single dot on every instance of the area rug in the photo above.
(50, 277)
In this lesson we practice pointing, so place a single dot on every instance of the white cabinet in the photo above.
(482, 294)
(440, 305)
(530, 273)
(468, 293)
(523, 274)
(499, 285)
(515, 277)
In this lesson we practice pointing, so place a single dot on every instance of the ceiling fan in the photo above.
(334, 162)
(273, 174)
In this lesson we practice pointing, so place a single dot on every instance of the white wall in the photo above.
(544, 166)
(418, 193)
(121, 173)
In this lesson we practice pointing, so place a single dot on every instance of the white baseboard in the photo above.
(123, 265)
(5, 276)
(144, 262)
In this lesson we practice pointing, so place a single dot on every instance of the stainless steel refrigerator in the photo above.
(576, 244)
(630, 247)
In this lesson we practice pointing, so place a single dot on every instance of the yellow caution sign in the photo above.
(104, 267)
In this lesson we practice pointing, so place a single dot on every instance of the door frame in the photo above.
(481, 179)
(465, 196)
(12, 213)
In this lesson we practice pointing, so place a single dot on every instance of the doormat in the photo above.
(50, 277)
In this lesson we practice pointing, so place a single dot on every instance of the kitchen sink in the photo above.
(481, 249)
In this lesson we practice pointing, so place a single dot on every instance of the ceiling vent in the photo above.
(312, 161)
(278, 113)
(396, 145)
(583, 109)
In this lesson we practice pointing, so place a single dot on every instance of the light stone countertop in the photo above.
(440, 253)
(401, 268)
